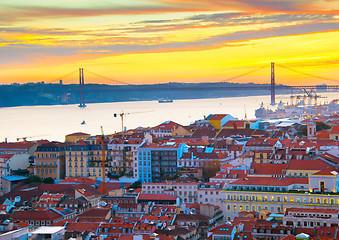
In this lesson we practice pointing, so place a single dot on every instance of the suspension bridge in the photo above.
(258, 74)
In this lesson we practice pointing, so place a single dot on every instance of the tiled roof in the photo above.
(268, 168)
(150, 197)
(316, 164)
(311, 210)
(237, 148)
(83, 180)
(94, 213)
(326, 172)
(330, 157)
(81, 226)
(215, 154)
(269, 181)
(223, 229)
(224, 133)
(235, 123)
(217, 116)
(16, 145)
(48, 215)
(78, 134)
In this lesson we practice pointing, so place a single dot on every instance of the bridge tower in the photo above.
(81, 88)
(272, 84)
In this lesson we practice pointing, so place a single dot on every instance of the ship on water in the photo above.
(162, 100)
(297, 110)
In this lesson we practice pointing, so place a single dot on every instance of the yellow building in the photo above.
(218, 120)
(84, 160)
(49, 161)
(75, 137)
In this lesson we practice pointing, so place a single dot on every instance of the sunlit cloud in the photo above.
(37, 32)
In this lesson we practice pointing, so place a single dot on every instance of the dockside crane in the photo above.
(103, 162)
(122, 114)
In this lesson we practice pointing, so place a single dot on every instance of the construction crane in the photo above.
(122, 114)
(103, 162)
(25, 138)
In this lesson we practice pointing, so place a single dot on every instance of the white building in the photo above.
(187, 192)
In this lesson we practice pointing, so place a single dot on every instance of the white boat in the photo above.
(165, 100)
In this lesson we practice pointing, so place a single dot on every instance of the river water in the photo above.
(54, 122)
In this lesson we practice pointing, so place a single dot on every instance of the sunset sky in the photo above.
(158, 41)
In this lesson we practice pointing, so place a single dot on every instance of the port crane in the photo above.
(123, 114)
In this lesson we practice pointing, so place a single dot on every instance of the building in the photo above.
(37, 218)
(310, 218)
(275, 201)
(210, 193)
(75, 137)
(202, 158)
(158, 161)
(84, 160)
(124, 155)
(187, 192)
(165, 129)
(49, 161)
(218, 120)
(52, 233)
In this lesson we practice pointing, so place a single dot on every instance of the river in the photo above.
(54, 122)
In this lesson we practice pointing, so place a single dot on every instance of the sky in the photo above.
(160, 41)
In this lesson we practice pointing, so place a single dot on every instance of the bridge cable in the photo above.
(64, 76)
(107, 78)
(307, 74)
(241, 75)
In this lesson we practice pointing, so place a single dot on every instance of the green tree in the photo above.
(33, 178)
(136, 185)
(322, 126)
(48, 180)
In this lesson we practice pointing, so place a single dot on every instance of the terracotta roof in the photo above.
(223, 229)
(237, 148)
(94, 213)
(235, 123)
(150, 197)
(215, 154)
(269, 181)
(224, 133)
(334, 130)
(6, 156)
(330, 157)
(110, 186)
(81, 226)
(47, 215)
(217, 117)
(268, 168)
(326, 172)
(201, 132)
(169, 125)
(265, 142)
(316, 164)
(312, 210)
(78, 134)
(83, 180)
(16, 145)
(145, 237)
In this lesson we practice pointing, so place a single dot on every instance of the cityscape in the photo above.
(169, 120)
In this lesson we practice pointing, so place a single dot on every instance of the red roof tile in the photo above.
(316, 164)
(48, 215)
(150, 197)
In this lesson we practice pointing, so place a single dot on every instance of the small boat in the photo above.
(83, 122)
(165, 100)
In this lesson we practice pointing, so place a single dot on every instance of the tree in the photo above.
(136, 185)
(33, 178)
(48, 180)
(322, 126)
